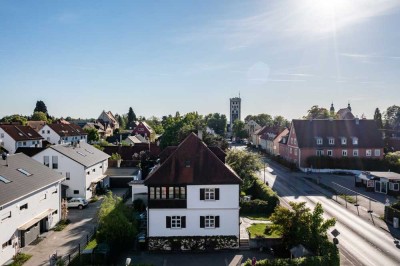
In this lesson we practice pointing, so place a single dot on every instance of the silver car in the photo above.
(77, 203)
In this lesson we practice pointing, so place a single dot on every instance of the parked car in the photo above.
(77, 203)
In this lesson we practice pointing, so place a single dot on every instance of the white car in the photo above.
(77, 203)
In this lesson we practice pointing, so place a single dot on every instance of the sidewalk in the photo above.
(82, 223)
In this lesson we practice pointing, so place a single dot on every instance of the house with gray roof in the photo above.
(82, 165)
(30, 199)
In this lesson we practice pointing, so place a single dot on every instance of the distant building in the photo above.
(15, 136)
(63, 133)
(235, 109)
(344, 113)
(107, 118)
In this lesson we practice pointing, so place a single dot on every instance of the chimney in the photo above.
(357, 120)
(200, 134)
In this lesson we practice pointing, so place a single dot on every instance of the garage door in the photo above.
(121, 182)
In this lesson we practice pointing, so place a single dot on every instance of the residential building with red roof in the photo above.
(15, 136)
(144, 130)
(63, 133)
(193, 193)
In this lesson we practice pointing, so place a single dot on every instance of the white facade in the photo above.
(42, 204)
(54, 138)
(8, 143)
(78, 177)
(226, 208)
(251, 127)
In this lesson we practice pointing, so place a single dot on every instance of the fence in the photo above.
(74, 252)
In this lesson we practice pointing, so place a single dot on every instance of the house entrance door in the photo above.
(381, 187)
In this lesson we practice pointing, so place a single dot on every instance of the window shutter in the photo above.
(202, 218)
(183, 221)
(217, 194)
(216, 221)
(202, 192)
(168, 222)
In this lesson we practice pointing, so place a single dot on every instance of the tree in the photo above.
(378, 118)
(245, 164)
(15, 119)
(301, 226)
(317, 112)
(215, 140)
(392, 116)
(260, 119)
(40, 107)
(238, 129)
(131, 118)
(39, 116)
(93, 134)
(121, 121)
(217, 122)
(280, 122)
(155, 124)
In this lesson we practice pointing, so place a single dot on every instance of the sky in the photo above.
(159, 57)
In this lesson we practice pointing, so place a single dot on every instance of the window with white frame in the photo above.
(46, 161)
(176, 222)
(209, 221)
(319, 141)
(355, 141)
(344, 152)
(331, 141)
(368, 153)
(320, 152)
(209, 194)
(344, 141)
(355, 153)
(54, 160)
(377, 152)
(329, 153)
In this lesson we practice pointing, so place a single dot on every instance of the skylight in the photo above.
(29, 134)
(5, 180)
(80, 153)
(89, 151)
(20, 134)
(24, 172)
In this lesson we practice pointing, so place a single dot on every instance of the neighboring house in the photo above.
(381, 182)
(193, 193)
(29, 202)
(251, 126)
(15, 136)
(63, 133)
(83, 166)
(109, 121)
(36, 125)
(272, 141)
(98, 126)
(334, 138)
(145, 130)
(260, 137)
(137, 139)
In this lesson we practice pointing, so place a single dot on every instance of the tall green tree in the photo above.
(155, 124)
(131, 118)
(41, 107)
(39, 116)
(121, 121)
(317, 112)
(280, 122)
(378, 118)
(238, 129)
(245, 164)
(300, 225)
(260, 119)
(392, 116)
(93, 134)
(217, 122)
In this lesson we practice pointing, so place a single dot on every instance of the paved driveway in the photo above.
(82, 223)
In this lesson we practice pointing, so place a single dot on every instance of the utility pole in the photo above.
(264, 171)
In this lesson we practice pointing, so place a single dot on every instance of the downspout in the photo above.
(299, 158)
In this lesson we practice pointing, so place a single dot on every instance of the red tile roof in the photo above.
(67, 129)
(21, 133)
(205, 167)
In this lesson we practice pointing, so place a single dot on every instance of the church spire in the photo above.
(348, 106)
(332, 110)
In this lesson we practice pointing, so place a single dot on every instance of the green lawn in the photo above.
(259, 230)
(92, 244)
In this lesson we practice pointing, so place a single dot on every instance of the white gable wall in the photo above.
(11, 145)
(38, 202)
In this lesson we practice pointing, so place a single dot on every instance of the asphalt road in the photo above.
(360, 242)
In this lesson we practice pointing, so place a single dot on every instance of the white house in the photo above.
(107, 118)
(63, 133)
(251, 126)
(14, 136)
(83, 166)
(191, 194)
(29, 202)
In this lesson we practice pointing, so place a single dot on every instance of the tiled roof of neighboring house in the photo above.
(21, 184)
(149, 128)
(21, 133)
(96, 125)
(127, 152)
(36, 125)
(29, 151)
(204, 167)
(267, 129)
(111, 116)
(366, 131)
(170, 149)
(345, 113)
(83, 153)
(65, 130)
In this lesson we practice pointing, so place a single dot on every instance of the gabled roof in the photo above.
(205, 167)
(149, 128)
(345, 113)
(366, 131)
(65, 130)
(36, 125)
(135, 139)
(83, 153)
(266, 129)
(21, 184)
(29, 151)
(21, 133)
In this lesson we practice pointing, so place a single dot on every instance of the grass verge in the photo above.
(20, 259)
(61, 225)
(262, 230)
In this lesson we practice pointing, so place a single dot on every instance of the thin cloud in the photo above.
(368, 56)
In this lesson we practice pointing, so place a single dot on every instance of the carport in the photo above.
(119, 177)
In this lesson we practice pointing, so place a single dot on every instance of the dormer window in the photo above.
(355, 141)
(331, 141)
(344, 141)
(319, 141)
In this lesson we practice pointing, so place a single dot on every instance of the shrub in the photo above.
(261, 191)
(20, 259)
(256, 206)
(61, 225)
